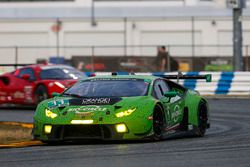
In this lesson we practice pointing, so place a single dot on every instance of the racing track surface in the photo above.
(227, 143)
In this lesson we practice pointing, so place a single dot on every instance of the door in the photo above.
(22, 88)
(160, 87)
(176, 109)
(173, 107)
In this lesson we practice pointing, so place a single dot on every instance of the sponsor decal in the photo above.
(58, 103)
(175, 99)
(86, 109)
(83, 114)
(18, 95)
(84, 102)
(94, 101)
(176, 113)
(28, 93)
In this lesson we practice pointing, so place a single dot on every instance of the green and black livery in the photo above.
(121, 107)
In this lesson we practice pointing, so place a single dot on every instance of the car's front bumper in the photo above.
(69, 132)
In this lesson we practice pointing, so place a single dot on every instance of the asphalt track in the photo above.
(227, 143)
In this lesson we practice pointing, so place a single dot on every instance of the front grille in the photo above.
(82, 131)
(75, 132)
(85, 131)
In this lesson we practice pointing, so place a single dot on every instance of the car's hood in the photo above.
(97, 109)
(93, 104)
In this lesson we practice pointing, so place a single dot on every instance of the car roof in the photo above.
(46, 66)
(147, 77)
(55, 66)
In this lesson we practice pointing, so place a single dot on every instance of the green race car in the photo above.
(119, 107)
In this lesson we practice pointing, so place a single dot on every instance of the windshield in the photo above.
(109, 88)
(61, 73)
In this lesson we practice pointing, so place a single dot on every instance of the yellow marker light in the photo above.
(50, 114)
(47, 129)
(125, 113)
(90, 121)
(121, 128)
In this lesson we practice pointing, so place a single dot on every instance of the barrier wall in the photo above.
(223, 83)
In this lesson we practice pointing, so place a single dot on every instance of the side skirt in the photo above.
(176, 131)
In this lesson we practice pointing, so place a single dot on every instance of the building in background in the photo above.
(198, 33)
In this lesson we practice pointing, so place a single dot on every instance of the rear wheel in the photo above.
(202, 120)
(158, 122)
(41, 93)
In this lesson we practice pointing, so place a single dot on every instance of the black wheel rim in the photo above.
(202, 121)
(41, 95)
(158, 123)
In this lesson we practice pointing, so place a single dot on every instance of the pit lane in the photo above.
(227, 143)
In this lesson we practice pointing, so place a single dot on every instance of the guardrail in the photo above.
(223, 83)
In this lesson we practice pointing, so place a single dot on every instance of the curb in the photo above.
(25, 125)
(23, 143)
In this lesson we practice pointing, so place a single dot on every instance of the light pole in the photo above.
(93, 19)
(237, 6)
(56, 29)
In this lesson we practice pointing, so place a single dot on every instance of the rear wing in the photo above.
(207, 77)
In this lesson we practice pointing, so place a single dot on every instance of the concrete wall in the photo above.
(26, 29)
(31, 34)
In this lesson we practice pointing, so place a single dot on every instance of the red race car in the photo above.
(31, 84)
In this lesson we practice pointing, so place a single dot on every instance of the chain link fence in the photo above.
(129, 58)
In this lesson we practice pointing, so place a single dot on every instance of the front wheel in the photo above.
(41, 93)
(158, 123)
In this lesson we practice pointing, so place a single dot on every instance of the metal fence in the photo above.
(129, 58)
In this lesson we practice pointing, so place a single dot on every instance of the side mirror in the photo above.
(55, 94)
(25, 76)
(170, 94)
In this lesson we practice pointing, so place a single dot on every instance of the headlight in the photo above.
(125, 113)
(90, 121)
(47, 129)
(50, 114)
(121, 128)
(60, 85)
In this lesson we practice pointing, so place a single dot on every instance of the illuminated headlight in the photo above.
(125, 113)
(121, 128)
(50, 114)
(60, 85)
(90, 121)
(47, 129)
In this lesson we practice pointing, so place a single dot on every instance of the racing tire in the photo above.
(202, 120)
(41, 93)
(158, 123)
